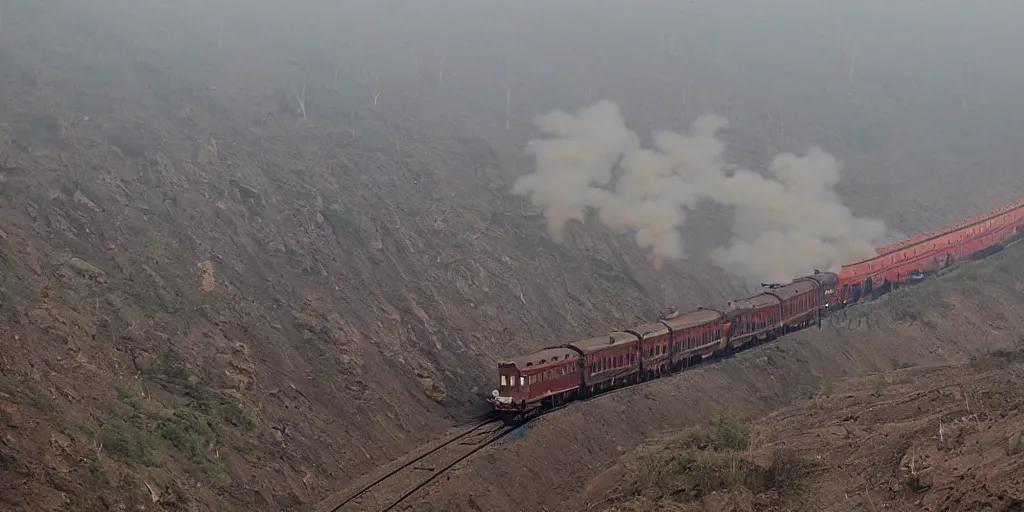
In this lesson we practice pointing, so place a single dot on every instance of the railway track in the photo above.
(386, 492)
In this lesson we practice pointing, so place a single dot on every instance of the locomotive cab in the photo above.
(511, 387)
(535, 381)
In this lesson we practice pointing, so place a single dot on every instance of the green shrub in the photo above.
(726, 431)
(712, 458)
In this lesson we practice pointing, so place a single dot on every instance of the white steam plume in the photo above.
(787, 224)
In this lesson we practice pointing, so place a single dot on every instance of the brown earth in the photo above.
(866, 390)
(874, 443)
(212, 300)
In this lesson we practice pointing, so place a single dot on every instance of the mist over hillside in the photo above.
(265, 247)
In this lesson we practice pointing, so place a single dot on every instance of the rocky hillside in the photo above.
(249, 252)
(825, 419)
(939, 438)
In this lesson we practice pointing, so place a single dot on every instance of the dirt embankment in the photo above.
(210, 299)
(573, 459)
(924, 439)
(216, 296)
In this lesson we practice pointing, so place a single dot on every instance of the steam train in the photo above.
(534, 383)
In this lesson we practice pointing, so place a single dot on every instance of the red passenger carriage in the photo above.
(608, 361)
(655, 345)
(695, 335)
(752, 319)
(804, 300)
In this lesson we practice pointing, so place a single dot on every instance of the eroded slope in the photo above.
(575, 459)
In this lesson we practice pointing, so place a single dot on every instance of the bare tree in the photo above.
(376, 89)
(337, 65)
(853, 60)
(508, 92)
(440, 72)
(301, 98)
(362, 63)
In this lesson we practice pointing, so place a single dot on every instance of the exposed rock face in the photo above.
(86, 269)
(143, 361)
(160, 206)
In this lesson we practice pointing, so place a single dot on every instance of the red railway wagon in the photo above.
(912, 258)
(655, 348)
(608, 360)
(695, 335)
(545, 378)
(802, 301)
(753, 318)
(1015, 211)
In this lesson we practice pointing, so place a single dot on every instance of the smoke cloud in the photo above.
(788, 222)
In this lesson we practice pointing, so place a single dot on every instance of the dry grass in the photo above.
(714, 458)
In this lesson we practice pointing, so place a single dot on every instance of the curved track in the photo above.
(390, 490)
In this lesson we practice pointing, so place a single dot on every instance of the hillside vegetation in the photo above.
(250, 251)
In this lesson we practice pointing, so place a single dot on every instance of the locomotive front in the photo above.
(509, 397)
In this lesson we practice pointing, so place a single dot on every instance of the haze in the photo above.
(917, 101)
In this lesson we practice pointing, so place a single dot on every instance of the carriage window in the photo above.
(504, 381)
